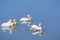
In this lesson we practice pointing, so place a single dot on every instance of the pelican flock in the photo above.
(12, 24)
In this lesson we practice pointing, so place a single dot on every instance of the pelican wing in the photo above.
(35, 27)
(35, 33)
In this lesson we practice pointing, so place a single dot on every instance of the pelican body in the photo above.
(27, 20)
(37, 29)
(9, 26)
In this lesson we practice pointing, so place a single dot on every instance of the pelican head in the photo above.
(29, 17)
(40, 25)
(10, 20)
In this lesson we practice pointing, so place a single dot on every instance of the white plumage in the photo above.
(26, 20)
(9, 26)
(37, 29)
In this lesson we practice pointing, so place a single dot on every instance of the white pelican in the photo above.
(7, 26)
(27, 20)
(10, 26)
(37, 29)
(15, 24)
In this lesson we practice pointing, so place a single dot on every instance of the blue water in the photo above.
(44, 11)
